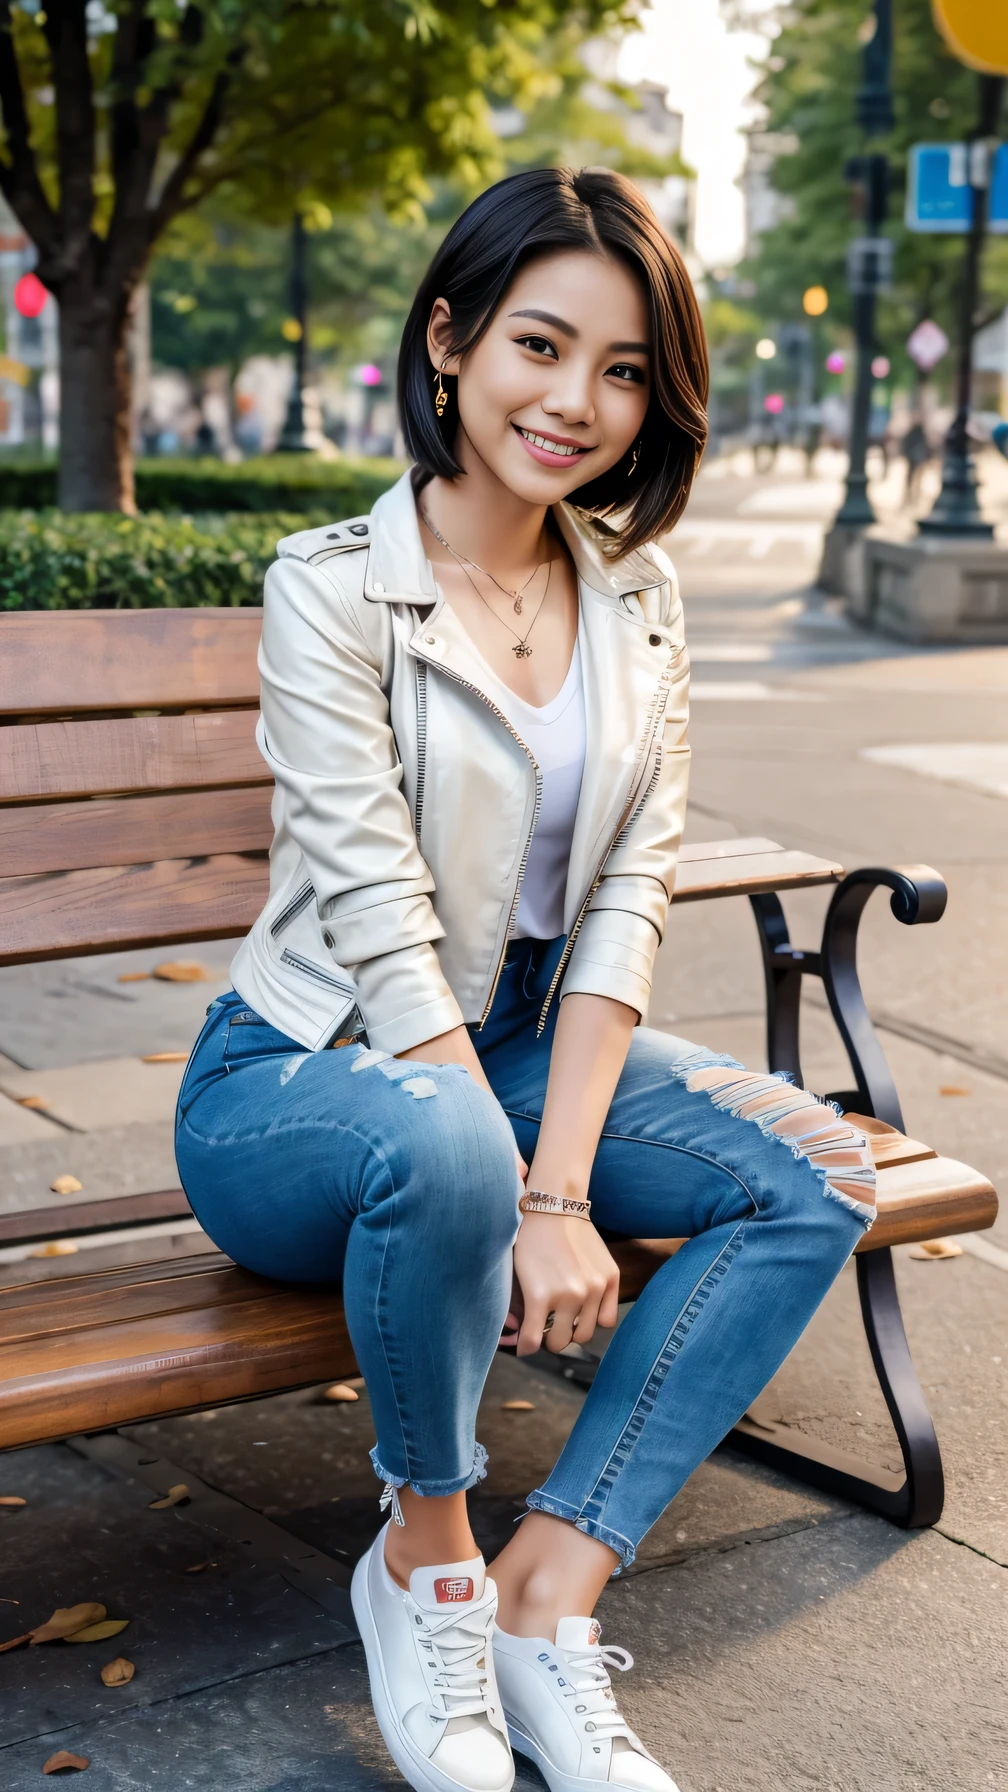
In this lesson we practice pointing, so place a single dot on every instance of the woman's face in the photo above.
(556, 391)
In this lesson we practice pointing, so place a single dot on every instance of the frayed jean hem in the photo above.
(554, 1508)
(434, 1490)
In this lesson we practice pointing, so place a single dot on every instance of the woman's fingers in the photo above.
(609, 1309)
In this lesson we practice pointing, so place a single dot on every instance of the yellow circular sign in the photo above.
(977, 31)
(815, 301)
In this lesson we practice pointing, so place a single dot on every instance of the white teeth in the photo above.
(548, 443)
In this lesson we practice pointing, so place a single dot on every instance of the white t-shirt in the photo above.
(555, 736)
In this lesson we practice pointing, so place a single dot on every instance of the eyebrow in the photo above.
(558, 323)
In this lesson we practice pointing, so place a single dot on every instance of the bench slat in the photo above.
(128, 659)
(74, 913)
(141, 753)
(749, 874)
(40, 838)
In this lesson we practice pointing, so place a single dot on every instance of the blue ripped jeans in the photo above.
(398, 1180)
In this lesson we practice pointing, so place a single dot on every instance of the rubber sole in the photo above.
(555, 1778)
(416, 1769)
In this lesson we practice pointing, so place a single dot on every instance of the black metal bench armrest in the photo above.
(918, 896)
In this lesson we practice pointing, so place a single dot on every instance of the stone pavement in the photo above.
(783, 1639)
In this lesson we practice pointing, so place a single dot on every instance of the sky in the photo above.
(687, 47)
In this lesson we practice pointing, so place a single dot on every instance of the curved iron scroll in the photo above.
(918, 896)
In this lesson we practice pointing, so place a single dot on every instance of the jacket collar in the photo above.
(399, 571)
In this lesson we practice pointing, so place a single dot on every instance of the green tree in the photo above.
(118, 118)
(807, 85)
(219, 286)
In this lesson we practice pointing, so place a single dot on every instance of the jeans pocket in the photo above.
(248, 1036)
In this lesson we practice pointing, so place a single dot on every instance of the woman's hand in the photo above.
(561, 1267)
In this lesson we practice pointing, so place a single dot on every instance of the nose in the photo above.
(570, 395)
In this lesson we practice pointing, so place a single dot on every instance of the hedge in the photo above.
(49, 561)
(272, 482)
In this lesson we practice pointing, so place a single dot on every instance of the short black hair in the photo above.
(522, 218)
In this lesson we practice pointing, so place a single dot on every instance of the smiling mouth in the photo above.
(550, 445)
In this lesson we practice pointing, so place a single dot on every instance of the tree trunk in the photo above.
(96, 457)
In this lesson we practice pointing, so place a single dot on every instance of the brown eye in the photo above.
(539, 345)
(631, 376)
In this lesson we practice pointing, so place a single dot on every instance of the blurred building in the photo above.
(29, 363)
(648, 123)
(764, 206)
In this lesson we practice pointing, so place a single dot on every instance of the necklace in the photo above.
(463, 561)
(522, 650)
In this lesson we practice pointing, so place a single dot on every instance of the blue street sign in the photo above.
(939, 195)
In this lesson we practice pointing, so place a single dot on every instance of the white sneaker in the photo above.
(431, 1671)
(562, 1712)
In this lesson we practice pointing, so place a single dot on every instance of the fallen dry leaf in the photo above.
(173, 1497)
(517, 1406)
(12, 1499)
(65, 1620)
(98, 1633)
(198, 1567)
(165, 1058)
(935, 1248)
(57, 1247)
(118, 1672)
(182, 970)
(64, 1758)
(340, 1391)
(66, 1185)
(134, 977)
(954, 1089)
(32, 1101)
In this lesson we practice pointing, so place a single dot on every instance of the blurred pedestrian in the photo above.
(916, 451)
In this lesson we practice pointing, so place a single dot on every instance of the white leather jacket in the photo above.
(405, 802)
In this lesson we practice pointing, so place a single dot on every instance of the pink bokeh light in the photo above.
(369, 374)
(774, 403)
(835, 362)
(30, 296)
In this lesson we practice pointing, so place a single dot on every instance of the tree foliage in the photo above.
(807, 86)
(120, 115)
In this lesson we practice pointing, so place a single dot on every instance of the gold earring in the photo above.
(632, 468)
(440, 396)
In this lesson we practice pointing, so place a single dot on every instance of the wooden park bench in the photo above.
(135, 811)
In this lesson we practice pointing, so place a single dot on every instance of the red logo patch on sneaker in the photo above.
(453, 1589)
(594, 1633)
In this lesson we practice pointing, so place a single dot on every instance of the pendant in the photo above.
(518, 603)
(523, 651)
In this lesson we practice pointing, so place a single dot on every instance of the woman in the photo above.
(433, 1067)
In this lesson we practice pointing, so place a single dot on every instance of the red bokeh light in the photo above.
(30, 296)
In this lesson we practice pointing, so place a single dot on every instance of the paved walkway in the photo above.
(784, 1639)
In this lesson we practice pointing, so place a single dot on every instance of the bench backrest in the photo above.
(134, 805)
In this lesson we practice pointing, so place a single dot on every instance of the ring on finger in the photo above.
(548, 1325)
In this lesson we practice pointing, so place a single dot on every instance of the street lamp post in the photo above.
(956, 509)
(867, 268)
(292, 437)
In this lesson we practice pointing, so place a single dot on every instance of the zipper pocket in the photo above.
(307, 969)
(298, 902)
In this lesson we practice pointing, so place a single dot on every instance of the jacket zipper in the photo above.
(501, 717)
(631, 809)
(313, 970)
(298, 902)
(421, 743)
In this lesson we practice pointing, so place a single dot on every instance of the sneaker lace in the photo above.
(456, 1647)
(591, 1687)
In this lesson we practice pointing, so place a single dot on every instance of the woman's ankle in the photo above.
(434, 1531)
(549, 1570)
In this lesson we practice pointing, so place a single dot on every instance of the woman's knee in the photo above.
(836, 1151)
(461, 1153)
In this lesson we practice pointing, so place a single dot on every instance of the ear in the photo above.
(439, 333)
